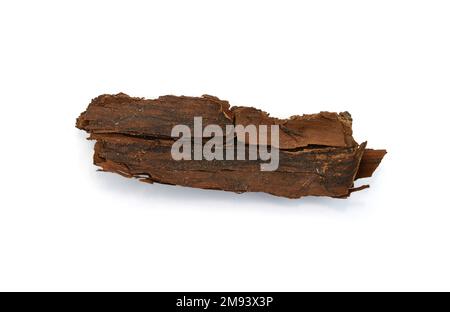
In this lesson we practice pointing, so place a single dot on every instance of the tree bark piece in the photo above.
(318, 155)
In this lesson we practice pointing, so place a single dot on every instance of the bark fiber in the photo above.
(318, 155)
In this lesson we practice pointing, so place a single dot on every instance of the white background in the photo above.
(65, 226)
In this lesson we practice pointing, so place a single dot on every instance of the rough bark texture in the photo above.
(318, 155)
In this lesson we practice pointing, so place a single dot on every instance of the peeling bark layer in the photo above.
(318, 155)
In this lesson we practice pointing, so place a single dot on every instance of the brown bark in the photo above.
(318, 155)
